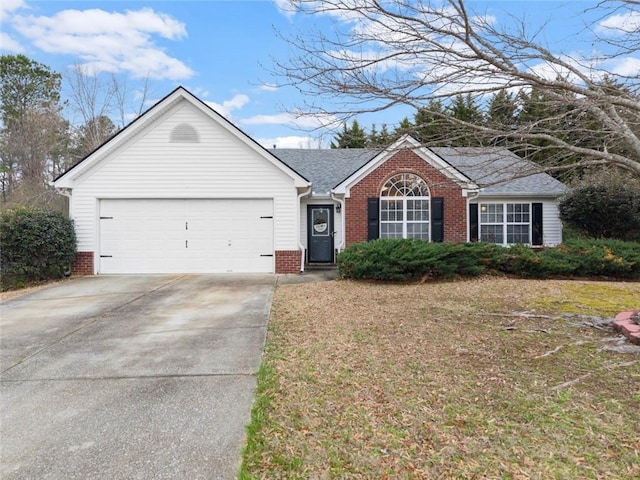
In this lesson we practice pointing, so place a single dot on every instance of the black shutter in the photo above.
(373, 218)
(474, 235)
(536, 224)
(437, 219)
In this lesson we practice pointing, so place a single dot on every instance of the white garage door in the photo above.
(186, 236)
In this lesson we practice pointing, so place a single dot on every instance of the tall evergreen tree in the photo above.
(380, 138)
(502, 110)
(350, 137)
(465, 109)
(430, 128)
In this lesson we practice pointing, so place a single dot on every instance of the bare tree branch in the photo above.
(383, 53)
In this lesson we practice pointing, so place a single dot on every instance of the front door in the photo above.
(320, 233)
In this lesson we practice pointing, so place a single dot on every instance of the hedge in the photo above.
(37, 244)
(409, 259)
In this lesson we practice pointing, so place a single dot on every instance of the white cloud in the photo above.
(293, 120)
(291, 141)
(286, 7)
(9, 6)
(626, 67)
(110, 41)
(225, 108)
(620, 24)
(8, 44)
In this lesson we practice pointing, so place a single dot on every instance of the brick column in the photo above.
(83, 264)
(288, 261)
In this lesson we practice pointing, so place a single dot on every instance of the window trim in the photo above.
(505, 223)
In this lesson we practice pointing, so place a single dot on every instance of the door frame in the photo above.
(331, 227)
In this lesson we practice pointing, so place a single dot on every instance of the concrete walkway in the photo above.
(131, 377)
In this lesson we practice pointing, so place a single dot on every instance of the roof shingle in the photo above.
(497, 171)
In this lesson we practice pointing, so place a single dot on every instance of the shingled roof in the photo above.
(499, 171)
(325, 168)
(496, 170)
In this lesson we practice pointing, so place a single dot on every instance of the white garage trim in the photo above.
(185, 236)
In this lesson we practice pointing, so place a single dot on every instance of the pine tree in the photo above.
(353, 137)
(430, 129)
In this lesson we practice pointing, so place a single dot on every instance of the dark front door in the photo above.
(320, 233)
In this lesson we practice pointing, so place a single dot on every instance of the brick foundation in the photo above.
(83, 264)
(288, 261)
(406, 161)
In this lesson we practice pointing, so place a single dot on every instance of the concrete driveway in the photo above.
(131, 377)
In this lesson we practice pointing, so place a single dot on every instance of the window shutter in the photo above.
(536, 224)
(373, 218)
(474, 234)
(437, 219)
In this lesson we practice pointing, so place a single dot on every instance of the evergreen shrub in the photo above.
(36, 244)
(410, 259)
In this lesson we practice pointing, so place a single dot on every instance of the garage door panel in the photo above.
(186, 236)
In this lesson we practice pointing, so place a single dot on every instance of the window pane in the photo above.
(491, 233)
(391, 210)
(517, 233)
(517, 213)
(491, 213)
(418, 230)
(391, 230)
(418, 210)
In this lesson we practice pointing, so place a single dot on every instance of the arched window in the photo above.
(404, 208)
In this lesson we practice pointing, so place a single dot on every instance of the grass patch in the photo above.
(444, 380)
(591, 298)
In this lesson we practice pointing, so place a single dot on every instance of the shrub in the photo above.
(406, 260)
(411, 259)
(604, 209)
(37, 244)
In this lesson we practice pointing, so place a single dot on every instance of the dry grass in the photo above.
(444, 380)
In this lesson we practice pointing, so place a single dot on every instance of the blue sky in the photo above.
(222, 50)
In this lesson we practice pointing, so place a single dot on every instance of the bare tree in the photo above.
(383, 53)
(102, 105)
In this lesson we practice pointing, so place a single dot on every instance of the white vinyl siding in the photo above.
(219, 166)
(552, 226)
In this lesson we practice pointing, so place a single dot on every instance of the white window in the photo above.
(404, 208)
(505, 223)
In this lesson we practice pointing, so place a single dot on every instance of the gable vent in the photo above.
(184, 133)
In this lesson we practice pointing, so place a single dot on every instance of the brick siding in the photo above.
(406, 161)
(83, 264)
(288, 261)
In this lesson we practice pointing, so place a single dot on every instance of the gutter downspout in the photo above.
(302, 247)
(342, 221)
